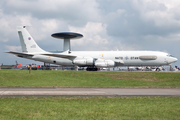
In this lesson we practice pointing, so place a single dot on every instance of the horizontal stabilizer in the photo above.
(20, 54)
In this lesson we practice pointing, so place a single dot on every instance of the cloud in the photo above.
(94, 33)
(144, 18)
(13, 48)
(75, 12)
(105, 24)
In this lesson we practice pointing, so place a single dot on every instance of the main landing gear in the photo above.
(91, 69)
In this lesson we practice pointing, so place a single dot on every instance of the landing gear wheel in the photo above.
(91, 69)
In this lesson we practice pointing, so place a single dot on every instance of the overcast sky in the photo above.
(105, 24)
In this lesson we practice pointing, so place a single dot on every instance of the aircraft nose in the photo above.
(173, 60)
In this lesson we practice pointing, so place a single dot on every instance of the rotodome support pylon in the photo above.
(67, 36)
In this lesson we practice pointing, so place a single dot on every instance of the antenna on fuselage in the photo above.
(67, 36)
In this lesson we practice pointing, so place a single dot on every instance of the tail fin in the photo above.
(27, 42)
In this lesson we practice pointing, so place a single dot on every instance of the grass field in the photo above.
(81, 108)
(22, 78)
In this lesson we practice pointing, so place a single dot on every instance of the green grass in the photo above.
(22, 78)
(81, 108)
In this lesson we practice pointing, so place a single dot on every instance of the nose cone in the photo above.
(173, 60)
(176, 59)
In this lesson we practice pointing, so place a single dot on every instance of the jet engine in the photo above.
(83, 61)
(104, 63)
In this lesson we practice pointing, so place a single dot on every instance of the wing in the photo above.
(69, 56)
(61, 55)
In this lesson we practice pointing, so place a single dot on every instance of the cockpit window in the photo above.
(170, 55)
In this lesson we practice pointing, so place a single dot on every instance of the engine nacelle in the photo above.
(83, 61)
(104, 63)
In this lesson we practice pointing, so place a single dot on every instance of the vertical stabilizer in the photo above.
(27, 42)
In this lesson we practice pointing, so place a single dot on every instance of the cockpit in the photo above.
(169, 55)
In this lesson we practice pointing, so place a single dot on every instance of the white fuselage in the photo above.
(128, 58)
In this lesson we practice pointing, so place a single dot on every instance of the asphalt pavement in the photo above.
(56, 91)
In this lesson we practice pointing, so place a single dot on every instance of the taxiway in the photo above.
(56, 91)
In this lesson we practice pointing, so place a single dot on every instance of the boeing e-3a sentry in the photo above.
(90, 59)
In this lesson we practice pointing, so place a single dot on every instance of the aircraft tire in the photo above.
(91, 69)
